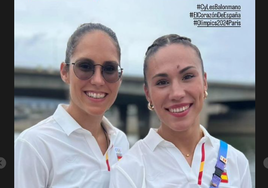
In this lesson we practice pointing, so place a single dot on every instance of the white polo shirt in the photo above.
(58, 152)
(156, 163)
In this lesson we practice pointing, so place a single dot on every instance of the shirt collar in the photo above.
(69, 125)
(108, 126)
(153, 139)
(65, 121)
(207, 137)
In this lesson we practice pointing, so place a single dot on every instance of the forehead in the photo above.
(96, 42)
(96, 39)
(174, 56)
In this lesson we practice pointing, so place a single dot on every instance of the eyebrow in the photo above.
(166, 75)
(90, 60)
(84, 59)
(185, 69)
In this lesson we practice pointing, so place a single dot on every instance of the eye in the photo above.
(85, 66)
(188, 76)
(110, 68)
(162, 82)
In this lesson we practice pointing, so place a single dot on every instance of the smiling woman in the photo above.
(76, 145)
(175, 86)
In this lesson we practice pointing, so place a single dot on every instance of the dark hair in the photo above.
(164, 41)
(81, 31)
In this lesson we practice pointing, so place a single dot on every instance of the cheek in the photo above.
(114, 88)
(76, 85)
(199, 94)
(157, 96)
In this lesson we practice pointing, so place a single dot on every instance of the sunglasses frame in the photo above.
(102, 66)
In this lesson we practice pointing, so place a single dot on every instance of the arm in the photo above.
(30, 171)
(246, 177)
(120, 178)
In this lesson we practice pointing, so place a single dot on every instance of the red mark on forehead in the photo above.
(178, 66)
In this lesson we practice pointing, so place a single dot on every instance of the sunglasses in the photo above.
(85, 69)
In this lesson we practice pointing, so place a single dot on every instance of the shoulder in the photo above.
(236, 154)
(119, 133)
(34, 134)
(236, 158)
(232, 152)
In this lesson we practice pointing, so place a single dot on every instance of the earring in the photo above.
(150, 106)
(206, 94)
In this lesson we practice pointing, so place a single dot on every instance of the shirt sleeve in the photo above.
(121, 179)
(244, 170)
(30, 170)
(246, 177)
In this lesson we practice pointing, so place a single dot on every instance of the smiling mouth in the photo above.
(96, 95)
(178, 110)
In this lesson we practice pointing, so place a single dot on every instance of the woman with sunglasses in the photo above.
(76, 146)
(180, 153)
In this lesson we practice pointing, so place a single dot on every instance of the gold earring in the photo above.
(150, 106)
(206, 94)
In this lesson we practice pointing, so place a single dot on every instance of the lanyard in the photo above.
(200, 175)
(107, 161)
(219, 168)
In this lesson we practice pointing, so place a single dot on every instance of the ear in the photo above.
(147, 94)
(64, 73)
(205, 82)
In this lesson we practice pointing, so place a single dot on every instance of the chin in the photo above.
(180, 127)
(95, 112)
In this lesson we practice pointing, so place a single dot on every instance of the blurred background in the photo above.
(42, 29)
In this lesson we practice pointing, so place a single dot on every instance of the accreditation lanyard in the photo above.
(107, 161)
(200, 175)
(219, 168)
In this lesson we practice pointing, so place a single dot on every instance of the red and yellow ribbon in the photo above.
(107, 161)
(201, 165)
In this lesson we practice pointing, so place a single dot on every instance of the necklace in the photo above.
(188, 154)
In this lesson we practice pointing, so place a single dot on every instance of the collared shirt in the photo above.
(58, 152)
(156, 163)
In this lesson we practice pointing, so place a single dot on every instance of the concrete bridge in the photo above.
(229, 108)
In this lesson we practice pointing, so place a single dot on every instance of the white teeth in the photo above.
(178, 110)
(96, 95)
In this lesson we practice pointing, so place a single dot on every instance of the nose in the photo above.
(97, 78)
(177, 91)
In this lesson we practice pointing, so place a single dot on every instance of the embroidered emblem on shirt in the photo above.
(118, 153)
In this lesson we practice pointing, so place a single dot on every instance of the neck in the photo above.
(92, 124)
(185, 141)
(88, 122)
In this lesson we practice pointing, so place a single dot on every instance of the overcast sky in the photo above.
(42, 28)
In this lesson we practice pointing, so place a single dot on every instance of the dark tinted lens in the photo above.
(84, 69)
(111, 72)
